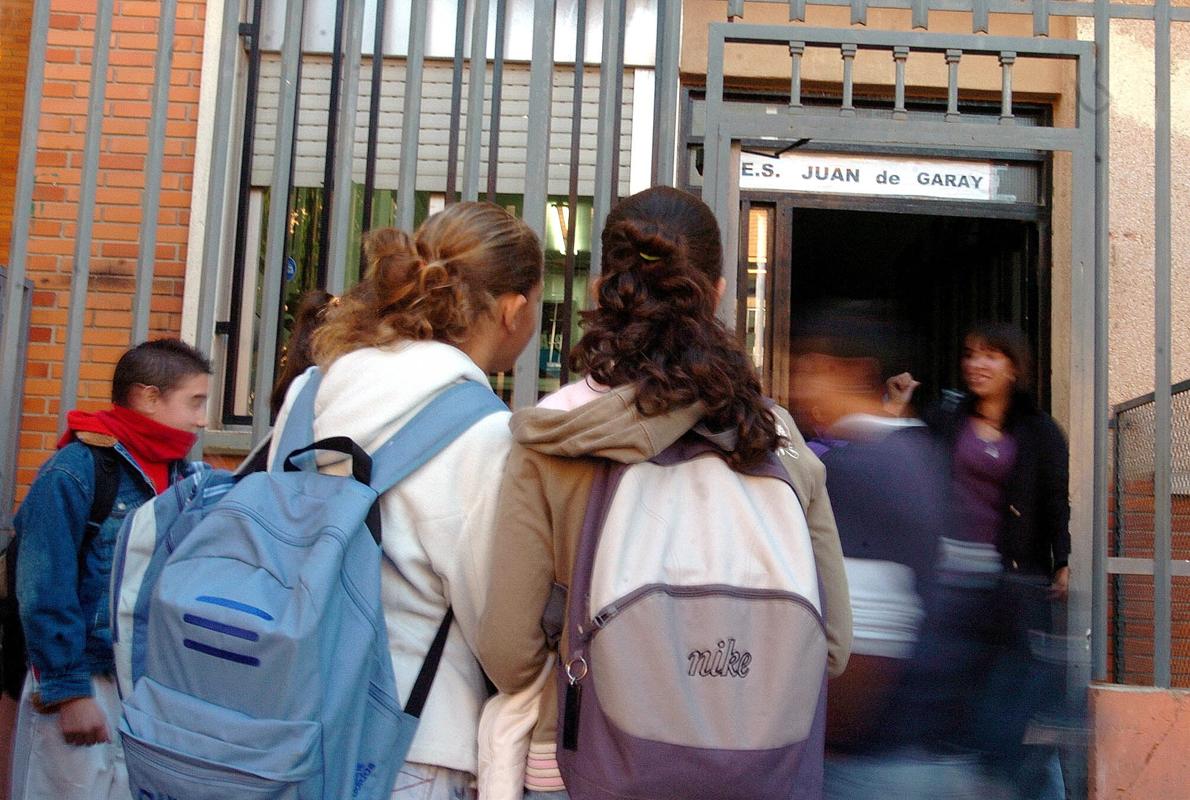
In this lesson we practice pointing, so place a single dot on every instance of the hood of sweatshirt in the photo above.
(370, 393)
(583, 419)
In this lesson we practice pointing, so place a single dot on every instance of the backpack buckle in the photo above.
(576, 670)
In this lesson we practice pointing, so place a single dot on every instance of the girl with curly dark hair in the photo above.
(662, 373)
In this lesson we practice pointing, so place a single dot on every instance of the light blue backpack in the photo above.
(251, 645)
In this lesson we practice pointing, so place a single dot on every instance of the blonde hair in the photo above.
(434, 284)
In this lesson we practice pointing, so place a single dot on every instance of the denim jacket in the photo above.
(63, 594)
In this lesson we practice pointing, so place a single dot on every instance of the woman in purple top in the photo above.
(1010, 460)
(1003, 566)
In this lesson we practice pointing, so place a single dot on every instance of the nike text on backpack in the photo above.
(696, 661)
(251, 644)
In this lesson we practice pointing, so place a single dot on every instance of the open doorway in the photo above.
(936, 274)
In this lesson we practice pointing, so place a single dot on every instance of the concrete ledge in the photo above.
(1140, 743)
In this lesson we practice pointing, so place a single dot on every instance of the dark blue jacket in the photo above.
(63, 593)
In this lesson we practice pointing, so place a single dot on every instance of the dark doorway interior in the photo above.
(938, 274)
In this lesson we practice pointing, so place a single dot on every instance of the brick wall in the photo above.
(118, 201)
(14, 53)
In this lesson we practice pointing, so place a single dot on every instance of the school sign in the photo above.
(831, 173)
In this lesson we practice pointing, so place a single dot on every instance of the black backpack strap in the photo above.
(429, 668)
(107, 482)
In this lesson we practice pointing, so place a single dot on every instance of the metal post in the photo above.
(979, 16)
(291, 54)
(921, 14)
(456, 105)
(86, 211)
(243, 223)
(411, 116)
(1099, 555)
(475, 88)
(952, 87)
(537, 151)
(666, 91)
(497, 94)
(11, 336)
(797, 10)
(212, 247)
(848, 51)
(330, 154)
(341, 222)
(859, 12)
(900, 57)
(374, 115)
(606, 137)
(151, 202)
(576, 135)
(1162, 276)
(1041, 17)
(1007, 59)
(796, 51)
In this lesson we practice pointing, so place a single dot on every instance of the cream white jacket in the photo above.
(436, 526)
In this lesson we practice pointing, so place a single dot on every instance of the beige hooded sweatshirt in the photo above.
(540, 513)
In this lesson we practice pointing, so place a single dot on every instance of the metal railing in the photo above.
(1141, 636)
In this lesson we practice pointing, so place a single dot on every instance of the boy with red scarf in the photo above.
(66, 746)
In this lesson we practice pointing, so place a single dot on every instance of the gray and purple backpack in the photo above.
(696, 661)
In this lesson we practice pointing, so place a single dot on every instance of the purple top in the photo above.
(980, 471)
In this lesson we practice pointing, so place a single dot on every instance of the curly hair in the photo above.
(311, 310)
(654, 323)
(435, 283)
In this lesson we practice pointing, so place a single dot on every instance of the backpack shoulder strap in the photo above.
(299, 425)
(439, 423)
(107, 482)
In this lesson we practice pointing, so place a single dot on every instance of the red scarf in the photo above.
(152, 445)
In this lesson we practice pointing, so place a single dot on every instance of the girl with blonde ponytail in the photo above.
(452, 302)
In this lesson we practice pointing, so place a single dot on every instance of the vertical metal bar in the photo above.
(11, 338)
(151, 199)
(86, 211)
(952, 85)
(921, 14)
(411, 116)
(456, 104)
(607, 140)
(497, 95)
(796, 51)
(666, 92)
(270, 310)
(1102, 101)
(537, 151)
(475, 88)
(741, 294)
(1162, 332)
(618, 122)
(712, 163)
(332, 137)
(576, 137)
(1007, 59)
(979, 16)
(243, 223)
(341, 198)
(374, 115)
(797, 10)
(900, 57)
(848, 108)
(859, 12)
(212, 247)
(735, 9)
(1041, 17)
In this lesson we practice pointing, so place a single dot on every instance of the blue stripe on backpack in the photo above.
(252, 650)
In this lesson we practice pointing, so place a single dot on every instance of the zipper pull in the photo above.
(604, 617)
(576, 670)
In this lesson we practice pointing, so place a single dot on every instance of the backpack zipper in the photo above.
(613, 610)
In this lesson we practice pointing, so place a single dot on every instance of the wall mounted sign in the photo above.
(883, 176)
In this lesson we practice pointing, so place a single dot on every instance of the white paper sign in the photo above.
(830, 173)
